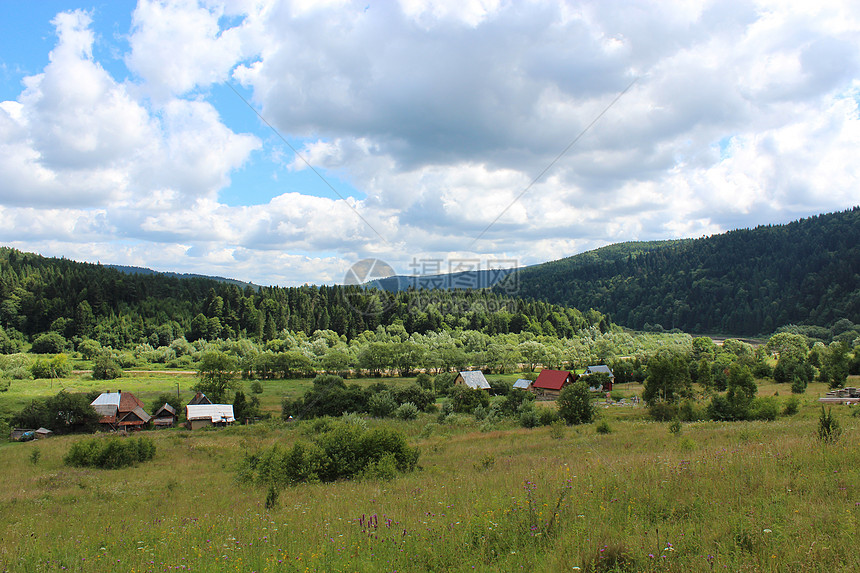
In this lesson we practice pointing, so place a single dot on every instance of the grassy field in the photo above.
(746, 496)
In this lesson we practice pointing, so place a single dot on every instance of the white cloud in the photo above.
(440, 114)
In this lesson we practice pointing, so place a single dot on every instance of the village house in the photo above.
(550, 382)
(203, 415)
(473, 379)
(120, 411)
(600, 369)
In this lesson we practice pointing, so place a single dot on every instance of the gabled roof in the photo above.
(475, 380)
(601, 368)
(199, 398)
(215, 412)
(523, 384)
(113, 405)
(552, 379)
(136, 417)
(165, 411)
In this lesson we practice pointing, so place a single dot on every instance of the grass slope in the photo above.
(717, 496)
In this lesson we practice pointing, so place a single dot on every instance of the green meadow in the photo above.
(739, 496)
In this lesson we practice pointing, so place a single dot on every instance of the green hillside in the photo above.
(743, 282)
(82, 300)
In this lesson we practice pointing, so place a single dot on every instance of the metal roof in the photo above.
(215, 412)
(523, 383)
(107, 399)
(600, 368)
(475, 380)
(552, 379)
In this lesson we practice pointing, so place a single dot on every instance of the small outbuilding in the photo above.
(550, 382)
(203, 415)
(523, 384)
(164, 417)
(43, 433)
(473, 379)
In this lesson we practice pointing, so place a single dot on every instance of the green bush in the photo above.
(256, 387)
(110, 453)
(547, 416)
(602, 427)
(764, 408)
(381, 404)
(574, 404)
(529, 418)
(465, 400)
(406, 411)
(829, 429)
(341, 451)
(791, 406)
(56, 367)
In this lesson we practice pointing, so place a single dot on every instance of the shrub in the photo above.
(256, 387)
(557, 429)
(425, 381)
(465, 400)
(514, 401)
(529, 418)
(689, 412)
(446, 410)
(764, 408)
(662, 411)
(342, 451)
(111, 453)
(381, 405)
(546, 416)
(602, 427)
(574, 404)
(406, 411)
(675, 427)
(424, 400)
(829, 429)
(791, 406)
(56, 367)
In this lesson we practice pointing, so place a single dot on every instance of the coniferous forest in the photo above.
(39, 295)
(744, 282)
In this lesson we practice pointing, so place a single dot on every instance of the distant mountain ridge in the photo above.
(743, 282)
(131, 270)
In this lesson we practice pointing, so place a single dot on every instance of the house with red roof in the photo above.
(550, 382)
(120, 411)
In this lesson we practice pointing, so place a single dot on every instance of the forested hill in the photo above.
(743, 282)
(39, 294)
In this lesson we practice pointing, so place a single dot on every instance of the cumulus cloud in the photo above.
(442, 115)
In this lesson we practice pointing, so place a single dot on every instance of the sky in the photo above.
(282, 142)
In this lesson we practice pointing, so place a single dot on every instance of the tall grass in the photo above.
(744, 496)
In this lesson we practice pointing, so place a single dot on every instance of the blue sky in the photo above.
(425, 122)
